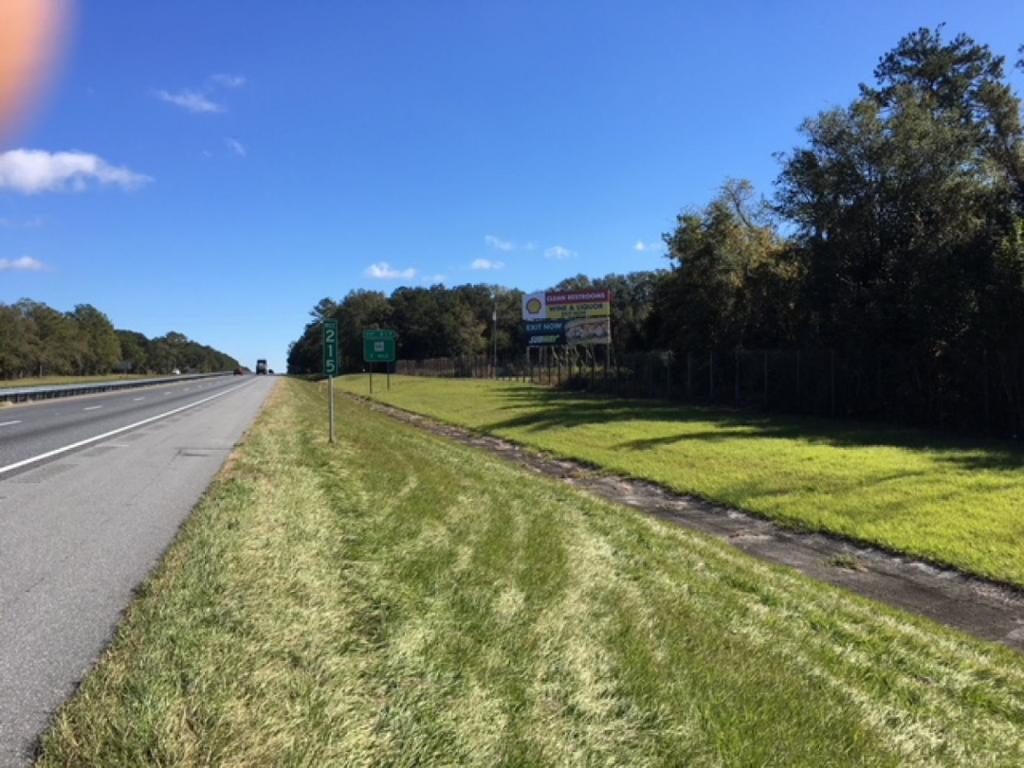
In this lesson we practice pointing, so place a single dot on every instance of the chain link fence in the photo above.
(981, 391)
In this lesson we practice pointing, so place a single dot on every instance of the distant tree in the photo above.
(579, 282)
(101, 348)
(134, 351)
(632, 299)
(359, 311)
(52, 343)
(728, 265)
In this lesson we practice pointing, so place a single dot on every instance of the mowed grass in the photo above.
(956, 502)
(56, 381)
(398, 600)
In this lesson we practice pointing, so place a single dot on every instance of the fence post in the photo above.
(689, 375)
(737, 357)
(988, 414)
(799, 393)
(711, 389)
(766, 377)
(833, 367)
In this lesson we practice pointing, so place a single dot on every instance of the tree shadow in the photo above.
(537, 410)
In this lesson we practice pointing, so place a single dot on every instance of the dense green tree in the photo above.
(37, 340)
(729, 266)
(134, 351)
(101, 348)
(360, 311)
(906, 202)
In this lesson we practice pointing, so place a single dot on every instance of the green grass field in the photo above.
(957, 502)
(399, 600)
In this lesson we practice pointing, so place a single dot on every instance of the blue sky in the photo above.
(236, 161)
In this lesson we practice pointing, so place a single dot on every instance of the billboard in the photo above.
(566, 305)
(556, 318)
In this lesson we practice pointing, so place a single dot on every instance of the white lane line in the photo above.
(166, 394)
(137, 399)
(118, 431)
(10, 423)
(92, 407)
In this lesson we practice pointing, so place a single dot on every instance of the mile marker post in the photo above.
(330, 366)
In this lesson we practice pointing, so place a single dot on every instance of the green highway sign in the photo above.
(379, 346)
(331, 347)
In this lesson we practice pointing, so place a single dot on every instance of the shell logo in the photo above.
(534, 306)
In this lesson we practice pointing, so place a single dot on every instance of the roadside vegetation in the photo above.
(396, 599)
(892, 247)
(38, 341)
(56, 381)
(952, 501)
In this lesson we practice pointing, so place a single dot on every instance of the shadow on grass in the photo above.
(544, 409)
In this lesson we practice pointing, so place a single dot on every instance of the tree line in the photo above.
(464, 320)
(37, 340)
(896, 227)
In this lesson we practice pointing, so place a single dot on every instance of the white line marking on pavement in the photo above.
(137, 399)
(118, 431)
(10, 423)
(92, 407)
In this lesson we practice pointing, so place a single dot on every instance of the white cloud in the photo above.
(24, 264)
(384, 271)
(193, 101)
(434, 279)
(35, 170)
(643, 247)
(487, 264)
(559, 253)
(235, 146)
(227, 81)
(498, 243)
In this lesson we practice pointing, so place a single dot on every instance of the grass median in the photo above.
(948, 500)
(57, 381)
(396, 599)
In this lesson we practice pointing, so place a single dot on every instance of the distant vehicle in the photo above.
(261, 366)
(176, 372)
(239, 371)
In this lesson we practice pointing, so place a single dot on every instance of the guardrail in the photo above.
(25, 394)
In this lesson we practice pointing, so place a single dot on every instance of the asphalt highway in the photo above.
(92, 492)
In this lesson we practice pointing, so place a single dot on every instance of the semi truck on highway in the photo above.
(261, 366)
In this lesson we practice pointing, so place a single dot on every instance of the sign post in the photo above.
(330, 366)
(379, 347)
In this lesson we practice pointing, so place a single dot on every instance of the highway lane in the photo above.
(81, 529)
(34, 428)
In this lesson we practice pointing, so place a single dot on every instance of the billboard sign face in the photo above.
(545, 333)
(566, 305)
(592, 330)
(556, 333)
(534, 307)
(556, 318)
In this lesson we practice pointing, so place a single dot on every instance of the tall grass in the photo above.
(394, 599)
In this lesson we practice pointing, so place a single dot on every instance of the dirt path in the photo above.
(981, 608)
